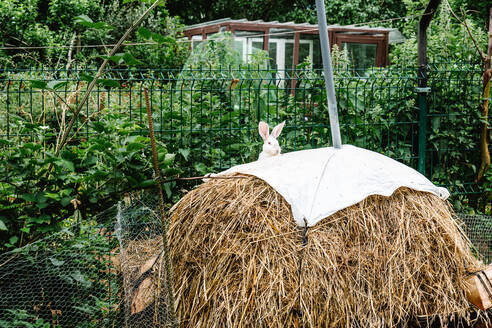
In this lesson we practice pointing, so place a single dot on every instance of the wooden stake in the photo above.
(164, 223)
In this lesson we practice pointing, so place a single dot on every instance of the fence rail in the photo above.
(214, 112)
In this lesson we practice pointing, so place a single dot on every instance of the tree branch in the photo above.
(98, 74)
(69, 56)
(463, 22)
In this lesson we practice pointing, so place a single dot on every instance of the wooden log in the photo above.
(479, 291)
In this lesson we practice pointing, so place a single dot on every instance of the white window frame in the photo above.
(280, 57)
(280, 60)
(195, 38)
(248, 48)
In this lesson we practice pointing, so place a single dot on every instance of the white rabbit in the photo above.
(270, 146)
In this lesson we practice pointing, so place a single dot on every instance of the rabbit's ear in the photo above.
(276, 130)
(263, 129)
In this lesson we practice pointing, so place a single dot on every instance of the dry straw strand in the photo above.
(383, 262)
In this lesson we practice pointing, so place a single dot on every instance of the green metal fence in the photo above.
(210, 116)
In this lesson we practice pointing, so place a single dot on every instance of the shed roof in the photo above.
(394, 34)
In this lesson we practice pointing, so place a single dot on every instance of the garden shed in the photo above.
(288, 44)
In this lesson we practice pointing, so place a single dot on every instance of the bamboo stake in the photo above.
(164, 222)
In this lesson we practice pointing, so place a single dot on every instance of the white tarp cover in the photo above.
(319, 182)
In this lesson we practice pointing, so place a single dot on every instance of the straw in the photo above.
(383, 262)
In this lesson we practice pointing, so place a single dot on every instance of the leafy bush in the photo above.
(89, 175)
(62, 13)
(56, 24)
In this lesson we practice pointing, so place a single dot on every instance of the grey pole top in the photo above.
(328, 70)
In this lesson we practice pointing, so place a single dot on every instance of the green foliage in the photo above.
(85, 178)
(338, 11)
(216, 52)
(447, 40)
(62, 13)
(64, 280)
(19, 26)
(21, 318)
(58, 25)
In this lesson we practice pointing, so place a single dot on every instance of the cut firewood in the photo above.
(479, 291)
(145, 288)
(143, 296)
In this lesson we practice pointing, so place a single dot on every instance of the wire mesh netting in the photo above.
(69, 279)
(139, 231)
(103, 273)
(110, 273)
(214, 111)
(479, 229)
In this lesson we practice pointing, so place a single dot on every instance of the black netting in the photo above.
(479, 229)
(139, 231)
(69, 279)
(90, 274)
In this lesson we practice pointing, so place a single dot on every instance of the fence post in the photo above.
(422, 126)
(422, 89)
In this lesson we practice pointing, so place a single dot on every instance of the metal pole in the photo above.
(328, 70)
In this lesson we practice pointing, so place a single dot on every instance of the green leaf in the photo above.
(83, 19)
(147, 183)
(144, 33)
(130, 60)
(167, 189)
(56, 262)
(56, 84)
(108, 83)
(41, 205)
(86, 77)
(86, 21)
(201, 168)
(3, 226)
(52, 195)
(159, 38)
(185, 153)
(13, 240)
(39, 220)
(29, 197)
(117, 58)
(65, 201)
(66, 164)
(169, 159)
(25, 229)
(171, 171)
(79, 277)
(39, 85)
(101, 26)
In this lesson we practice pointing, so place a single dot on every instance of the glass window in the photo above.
(304, 51)
(289, 55)
(238, 45)
(361, 55)
(272, 53)
(309, 46)
(247, 34)
(195, 41)
(257, 45)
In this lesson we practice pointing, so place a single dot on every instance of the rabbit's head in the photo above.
(270, 145)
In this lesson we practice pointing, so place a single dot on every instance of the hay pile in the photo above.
(236, 254)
